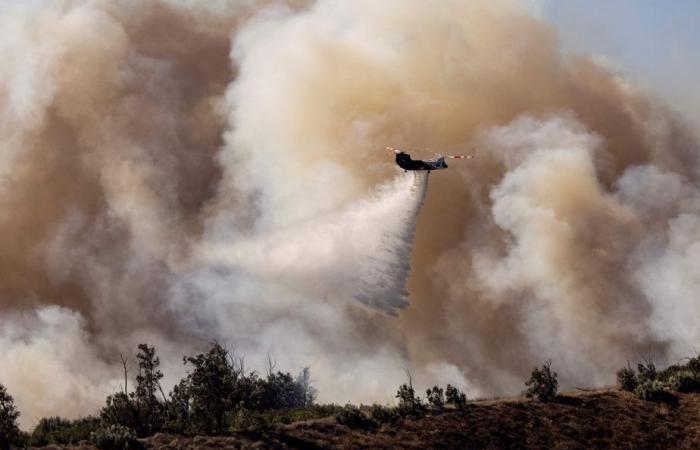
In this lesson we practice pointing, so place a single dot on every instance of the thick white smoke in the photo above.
(595, 271)
(296, 291)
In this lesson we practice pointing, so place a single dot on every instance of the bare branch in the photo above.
(124, 361)
(270, 365)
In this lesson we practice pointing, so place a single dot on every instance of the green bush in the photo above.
(121, 409)
(543, 384)
(115, 437)
(694, 364)
(685, 381)
(299, 414)
(247, 420)
(383, 414)
(647, 372)
(352, 417)
(414, 412)
(626, 379)
(58, 431)
(650, 390)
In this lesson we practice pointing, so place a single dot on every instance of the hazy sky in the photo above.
(654, 42)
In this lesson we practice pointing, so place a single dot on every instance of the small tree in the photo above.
(647, 371)
(121, 410)
(279, 391)
(178, 408)
(543, 383)
(212, 384)
(150, 409)
(626, 379)
(455, 397)
(435, 397)
(406, 396)
(306, 393)
(8, 419)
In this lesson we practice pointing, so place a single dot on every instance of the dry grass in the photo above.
(582, 420)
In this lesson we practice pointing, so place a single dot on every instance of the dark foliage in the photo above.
(150, 410)
(407, 396)
(352, 417)
(383, 414)
(646, 372)
(543, 384)
(217, 395)
(8, 419)
(627, 379)
(58, 431)
(656, 385)
(140, 410)
(120, 409)
(455, 397)
(211, 385)
(652, 390)
(685, 381)
(435, 397)
(115, 437)
(178, 408)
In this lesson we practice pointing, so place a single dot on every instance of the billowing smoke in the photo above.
(174, 173)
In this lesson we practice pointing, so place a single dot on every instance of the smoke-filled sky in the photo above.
(177, 172)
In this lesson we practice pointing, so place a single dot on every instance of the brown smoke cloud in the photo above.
(176, 173)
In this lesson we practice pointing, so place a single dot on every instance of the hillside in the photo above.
(599, 419)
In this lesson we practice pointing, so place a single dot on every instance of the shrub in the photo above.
(685, 381)
(58, 431)
(211, 384)
(406, 396)
(647, 372)
(284, 416)
(694, 364)
(543, 384)
(383, 414)
(455, 397)
(22, 440)
(115, 437)
(352, 417)
(120, 409)
(435, 397)
(247, 420)
(626, 379)
(8, 419)
(650, 390)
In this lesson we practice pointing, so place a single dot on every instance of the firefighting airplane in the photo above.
(404, 161)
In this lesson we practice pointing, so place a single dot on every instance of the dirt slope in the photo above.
(602, 419)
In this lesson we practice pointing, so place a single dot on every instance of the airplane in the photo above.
(404, 161)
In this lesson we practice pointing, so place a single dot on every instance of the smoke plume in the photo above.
(174, 173)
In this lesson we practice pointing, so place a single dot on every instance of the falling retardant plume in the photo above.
(176, 172)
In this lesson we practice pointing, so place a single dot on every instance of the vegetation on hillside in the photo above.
(8, 419)
(543, 383)
(648, 383)
(218, 397)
